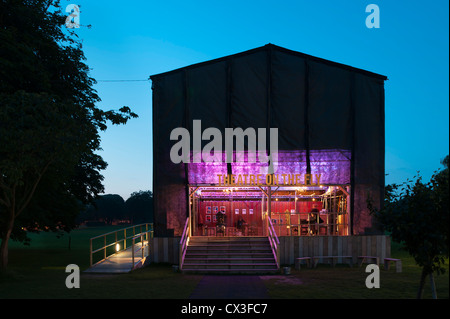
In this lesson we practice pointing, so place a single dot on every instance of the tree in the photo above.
(417, 216)
(107, 207)
(140, 206)
(49, 122)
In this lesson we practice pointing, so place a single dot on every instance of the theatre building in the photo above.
(267, 146)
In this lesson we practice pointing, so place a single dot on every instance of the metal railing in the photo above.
(144, 243)
(119, 240)
(184, 241)
(274, 242)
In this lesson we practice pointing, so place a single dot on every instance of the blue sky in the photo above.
(136, 39)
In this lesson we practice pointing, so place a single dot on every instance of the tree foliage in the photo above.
(140, 206)
(107, 207)
(49, 122)
(416, 214)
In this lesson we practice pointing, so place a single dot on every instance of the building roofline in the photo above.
(281, 49)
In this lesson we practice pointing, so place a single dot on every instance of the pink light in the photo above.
(333, 165)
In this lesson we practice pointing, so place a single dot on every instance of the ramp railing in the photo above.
(115, 241)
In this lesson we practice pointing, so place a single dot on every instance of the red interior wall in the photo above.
(231, 218)
(255, 218)
(302, 206)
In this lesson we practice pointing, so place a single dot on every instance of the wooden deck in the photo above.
(166, 249)
(121, 262)
(317, 246)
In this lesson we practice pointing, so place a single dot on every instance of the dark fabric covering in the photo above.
(207, 96)
(317, 105)
(329, 107)
(288, 97)
(369, 151)
(169, 178)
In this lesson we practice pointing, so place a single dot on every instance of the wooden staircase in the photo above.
(229, 255)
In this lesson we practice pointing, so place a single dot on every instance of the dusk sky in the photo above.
(129, 41)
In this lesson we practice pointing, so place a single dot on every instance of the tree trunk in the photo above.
(422, 284)
(4, 253)
(5, 240)
(433, 287)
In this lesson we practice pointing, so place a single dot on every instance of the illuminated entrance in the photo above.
(245, 211)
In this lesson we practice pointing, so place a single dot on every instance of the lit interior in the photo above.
(294, 211)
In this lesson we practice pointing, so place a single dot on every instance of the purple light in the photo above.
(332, 165)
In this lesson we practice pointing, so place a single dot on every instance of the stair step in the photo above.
(231, 271)
(235, 238)
(234, 256)
(238, 253)
(229, 255)
(227, 248)
(229, 266)
(225, 245)
(226, 259)
(229, 251)
(236, 247)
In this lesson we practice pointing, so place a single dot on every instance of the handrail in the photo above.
(144, 243)
(148, 233)
(274, 242)
(124, 229)
(184, 241)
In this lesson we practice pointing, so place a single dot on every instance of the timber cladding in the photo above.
(294, 247)
(165, 249)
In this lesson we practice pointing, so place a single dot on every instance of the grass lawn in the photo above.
(38, 271)
(344, 282)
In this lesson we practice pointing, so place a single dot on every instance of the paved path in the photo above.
(230, 287)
